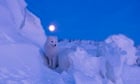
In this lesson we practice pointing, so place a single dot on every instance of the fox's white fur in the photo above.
(51, 51)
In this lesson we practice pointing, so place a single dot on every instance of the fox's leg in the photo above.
(50, 62)
(54, 61)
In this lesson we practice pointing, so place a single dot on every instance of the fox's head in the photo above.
(52, 41)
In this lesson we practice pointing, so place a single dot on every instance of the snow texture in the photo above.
(22, 40)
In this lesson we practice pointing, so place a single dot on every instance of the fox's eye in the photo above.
(51, 41)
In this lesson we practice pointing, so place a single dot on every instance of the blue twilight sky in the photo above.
(89, 19)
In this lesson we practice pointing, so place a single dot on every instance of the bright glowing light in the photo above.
(52, 28)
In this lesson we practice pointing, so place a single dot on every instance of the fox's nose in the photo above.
(54, 44)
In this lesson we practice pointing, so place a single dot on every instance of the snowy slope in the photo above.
(17, 24)
(16, 64)
(21, 38)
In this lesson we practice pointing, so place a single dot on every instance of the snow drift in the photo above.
(21, 38)
(18, 24)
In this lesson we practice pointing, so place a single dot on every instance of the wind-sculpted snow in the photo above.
(85, 67)
(17, 24)
(21, 38)
(98, 62)
(125, 44)
(88, 68)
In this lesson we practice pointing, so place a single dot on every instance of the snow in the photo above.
(86, 68)
(16, 66)
(125, 44)
(18, 24)
(131, 75)
(22, 39)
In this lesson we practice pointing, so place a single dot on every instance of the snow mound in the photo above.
(125, 44)
(98, 62)
(18, 24)
(85, 67)
(21, 38)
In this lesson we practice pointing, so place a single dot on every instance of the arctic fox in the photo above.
(51, 51)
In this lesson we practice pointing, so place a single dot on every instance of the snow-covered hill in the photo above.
(80, 62)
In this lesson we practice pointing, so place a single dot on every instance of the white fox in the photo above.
(51, 51)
